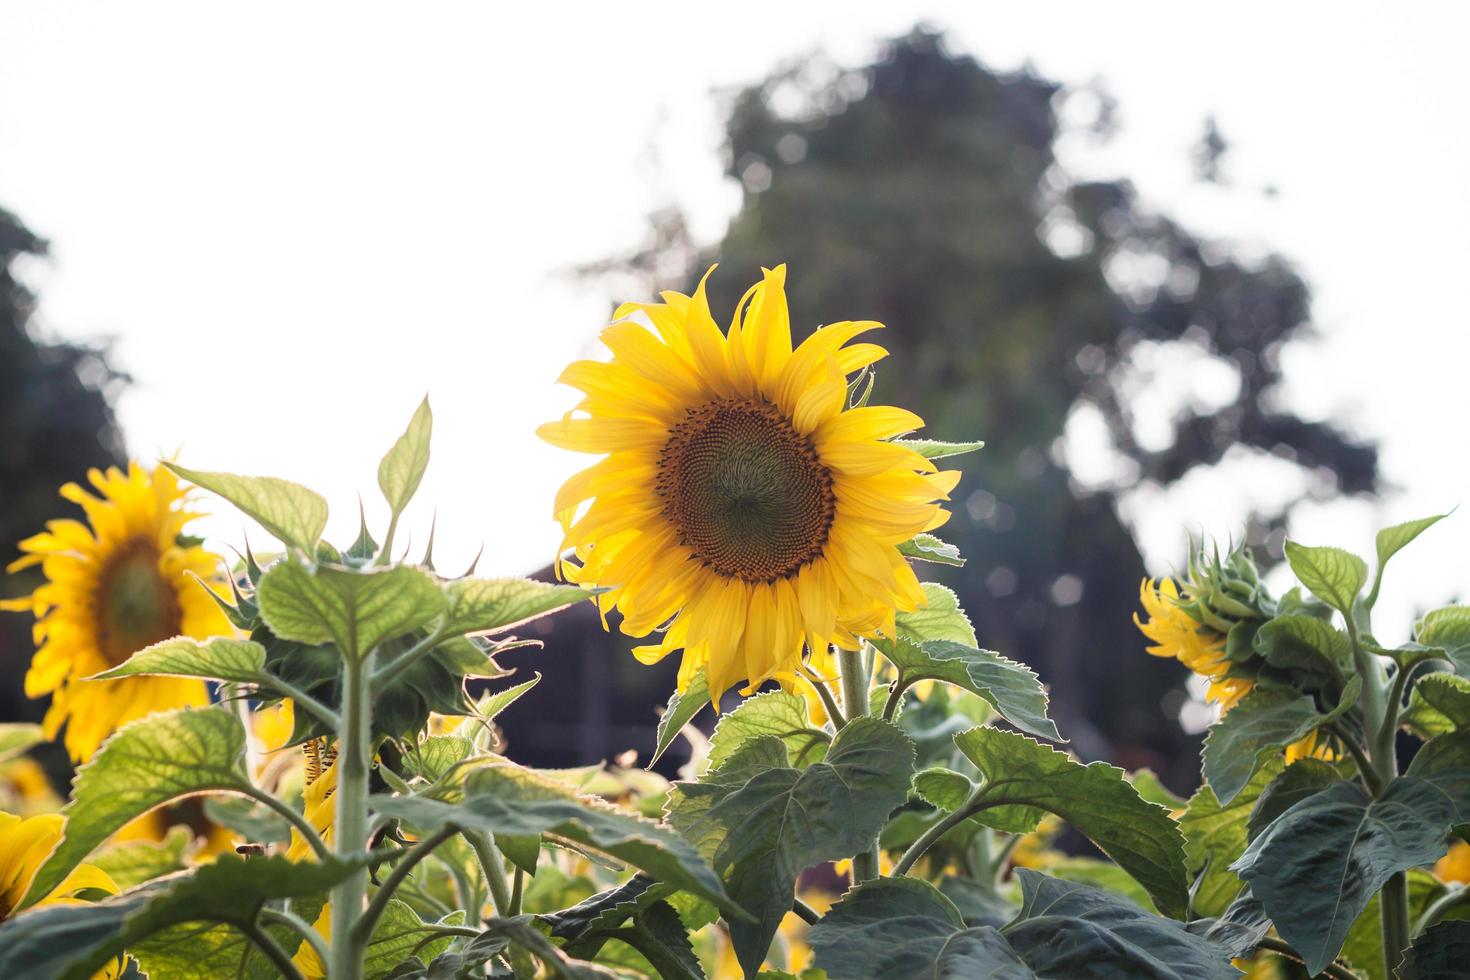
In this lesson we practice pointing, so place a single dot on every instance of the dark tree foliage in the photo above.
(55, 421)
(922, 191)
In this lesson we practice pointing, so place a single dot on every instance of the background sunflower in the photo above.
(115, 584)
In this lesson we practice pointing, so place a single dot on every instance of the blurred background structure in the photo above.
(1139, 364)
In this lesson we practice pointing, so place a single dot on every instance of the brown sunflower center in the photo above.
(746, 491)
(135, 606)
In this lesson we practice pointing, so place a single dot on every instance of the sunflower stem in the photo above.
(351, 818)
(856, 671)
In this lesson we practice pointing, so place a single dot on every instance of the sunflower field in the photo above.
(290, 763)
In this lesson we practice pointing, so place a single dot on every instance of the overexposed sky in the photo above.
(295, 219)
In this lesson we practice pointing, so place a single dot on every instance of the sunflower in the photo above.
(24, 844)
(318, 806)
(741, 506)
(1178, 635)
(115, 585)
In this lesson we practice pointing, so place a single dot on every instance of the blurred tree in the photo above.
(1022, 304)
(56, 419)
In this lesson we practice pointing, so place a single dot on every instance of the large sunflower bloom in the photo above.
(741, 506)
(24, 844)
(115, 585)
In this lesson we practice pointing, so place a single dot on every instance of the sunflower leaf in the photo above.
(776, 713)
(217, 658)
(1265, 721)
(1440, 704)
(505, 799)
(71, 942)
(1025, 779)
(1440, 953)
(927, 547)
(491, 605)
(934, 449)
(765, 830)
(355, 610)
(1317, 865)
(295, 515)
(1011, 688)
(1331, 574)
(403, 466)
(16, 737)
(144, 765)
(682, 707)
(1214, 836)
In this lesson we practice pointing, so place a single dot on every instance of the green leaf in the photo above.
(1301, 779)
(478, 605)
(1023, 779)
(776, 713)
(1392, 539)
(1331, 574)
(401, 934)
(945, 788)
(1445, 762)
(940, 618)
(70, 942)
(1102, 874)
(295, 515)
(1214, 836)
(765, 830)
(489, 707)
(403, 467)
(886, 927)
(1364, 945)
(682, 707)
(1304, 643)
(146, 764)
(1317, 865)
(1440, 704)
(133, 862)
(1067, 929)
(505, 799)
(1439, 954)
(217, 658)
(1011, 688)
(927, 547)
(16, 737)
(1447, 628)
(934, 449)
(255, 822)
(1264, 722)
(355, 610)
(1151, 788)
(521, 933)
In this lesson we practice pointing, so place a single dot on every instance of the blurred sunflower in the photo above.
(115, 585)
(741, 506)
(24, 845)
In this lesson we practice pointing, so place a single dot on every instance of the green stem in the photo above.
(805, 912)
(1441, 905)
(1384, 745)
(1331, 970)
(273, 950)
(492, 868)
(929, 838)
(362, 930)
(856, 676)
(895, 698)
(517, 888)
(351, 818)
(389, 672)
(1003, 856)
(830, 703)
(299, 925)
(1365, 765)
(309, 704)
(1394, 900)
(1373, 696)
(297, 820)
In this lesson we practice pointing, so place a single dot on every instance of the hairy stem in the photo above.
(834, 713)
(930, 837)
(362, 930)
(297, 820)
(856, 675)
(351, 818)
(294, 922)
(492, 868)
(273, 950)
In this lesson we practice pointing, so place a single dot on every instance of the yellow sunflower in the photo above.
(318, 807)
(741, 506)
(24, 844)
(1179, 636)
(115, 584)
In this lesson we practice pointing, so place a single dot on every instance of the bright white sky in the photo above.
(295, 219)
